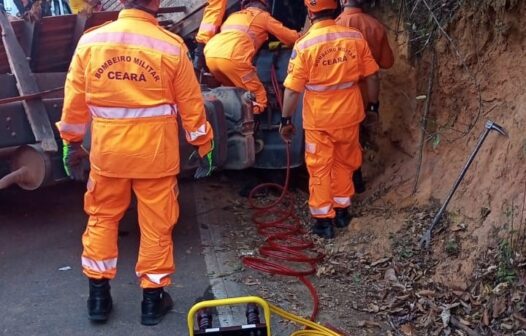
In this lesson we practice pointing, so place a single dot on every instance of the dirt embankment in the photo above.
(374, 279)
(479, 74)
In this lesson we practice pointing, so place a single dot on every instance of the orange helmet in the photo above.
(316, 6)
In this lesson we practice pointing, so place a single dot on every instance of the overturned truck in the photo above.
(34, 58)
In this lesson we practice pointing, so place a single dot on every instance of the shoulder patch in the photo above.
(293, 54)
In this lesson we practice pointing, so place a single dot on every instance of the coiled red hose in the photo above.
(284, 241)
(279, 224)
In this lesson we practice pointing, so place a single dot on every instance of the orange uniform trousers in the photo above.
(239, 74)
(331, 156)
(106, 201)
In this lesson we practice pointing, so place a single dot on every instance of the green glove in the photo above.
(72, 155)
(206, 163)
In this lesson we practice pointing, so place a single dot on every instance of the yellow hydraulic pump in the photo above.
(259, 329)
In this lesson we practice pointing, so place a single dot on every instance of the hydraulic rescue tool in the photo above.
(490, 126)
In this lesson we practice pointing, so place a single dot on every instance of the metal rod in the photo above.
(173, 9)
(461, 176)
(490, 126)
(29, 96)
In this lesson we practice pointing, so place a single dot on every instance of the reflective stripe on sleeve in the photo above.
(343, 201)
(77, 129)
(193, 135)
(323, 88)
(327, 38)
(131, 39)
(99, 265)
(130, 113)
(320, 211)
(207, 27)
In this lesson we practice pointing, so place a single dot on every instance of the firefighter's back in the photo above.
(131, 67)
(335, 58)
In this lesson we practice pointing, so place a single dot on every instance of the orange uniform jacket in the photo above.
(132, 77)
(374, 33)
(244, 32)
(327, 63)
(212, 18)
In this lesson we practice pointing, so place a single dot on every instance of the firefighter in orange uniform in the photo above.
(326, 64)
(131, 78)
(373, 31)
(212, 19)
(230, 53)
(376, 36)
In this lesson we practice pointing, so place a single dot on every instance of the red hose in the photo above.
(275, 85)
(282, 230)
(281, 227)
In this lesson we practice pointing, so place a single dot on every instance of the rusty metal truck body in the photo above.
(34, 58)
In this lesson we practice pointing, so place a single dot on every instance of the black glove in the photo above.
(206, 162)
(369, 129)
(258, 119)
(199, 57)
(371, 115)
(72, 155)
(286, 129)
(373, 107)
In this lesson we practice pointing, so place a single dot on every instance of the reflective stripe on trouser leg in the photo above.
(158, 211)
(239, 74)
(347, 158)
(105, 202)
(319, 161)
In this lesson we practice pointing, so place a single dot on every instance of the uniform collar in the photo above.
(323, 23)
(255, 8)
(352, 10)
(138, 15)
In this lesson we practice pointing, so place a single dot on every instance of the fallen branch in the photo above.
(423, 122)
(455, 322)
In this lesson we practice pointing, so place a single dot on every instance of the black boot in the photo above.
(323, 228)
(343, 217)
(357, 180)
(155, 304)
(99, 301)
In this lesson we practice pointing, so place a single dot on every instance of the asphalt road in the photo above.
(40, 233)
